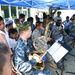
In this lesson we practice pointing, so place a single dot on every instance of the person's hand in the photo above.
(41, 38)
(30, 57)
(37, 58)
(49, 39)
(62, 31)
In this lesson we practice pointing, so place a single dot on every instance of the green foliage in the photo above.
(24, 27)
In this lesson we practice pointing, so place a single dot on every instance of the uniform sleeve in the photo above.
(20, 61)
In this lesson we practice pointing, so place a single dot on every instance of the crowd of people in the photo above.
(17, 43)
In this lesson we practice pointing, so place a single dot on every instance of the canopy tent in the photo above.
(41, 4)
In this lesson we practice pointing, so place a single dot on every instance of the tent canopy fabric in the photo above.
(41, 4)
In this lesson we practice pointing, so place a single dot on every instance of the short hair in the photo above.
(3, 48)
(73, 19)
(25, 27)
(30, 19)
(38, 23)
(67, 16)
(16, 20)
(1, 18)
(59, 12)
(2, 62)
(8, 25)
(21, 16)
(12, 31)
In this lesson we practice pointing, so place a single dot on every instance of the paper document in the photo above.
(53, 48)
(57, 51)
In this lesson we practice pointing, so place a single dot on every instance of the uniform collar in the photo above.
(24, 41)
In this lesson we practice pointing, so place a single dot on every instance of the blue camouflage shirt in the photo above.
(25, 66)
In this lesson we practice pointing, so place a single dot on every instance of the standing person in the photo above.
(12, 36)
(22, 19)
(22, 50)
(3, 35)
(30, 19)
(58, 17)
(2, 32)
(5, 60)
(8, 25)
(52, 12)
(16, 21)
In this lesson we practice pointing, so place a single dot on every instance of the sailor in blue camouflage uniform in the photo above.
(72, 29)
(56, 31)
(22, 50)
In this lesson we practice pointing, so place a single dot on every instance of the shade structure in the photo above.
(41, 4)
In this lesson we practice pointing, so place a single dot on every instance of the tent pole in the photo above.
(22, 9)
(10, 17)
(17, 11)
(68, 4)
(0, 10)
(31, 9)
(32, 4)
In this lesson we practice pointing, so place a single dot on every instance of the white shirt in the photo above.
(13, 43)
(6, 38)
(67, 23)
(58, 18)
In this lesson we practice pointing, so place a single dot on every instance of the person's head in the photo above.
(1, 24)
(6, 63)
(39, 25)
(30, 19)
(58, 22)
(67, 18)
(25, 31)
(16, 21)
(44, 15)
(73, 16)
(9, 24)
(59, 13)
(2, 63)
(22, 17)
(12, 33)
(73, 21)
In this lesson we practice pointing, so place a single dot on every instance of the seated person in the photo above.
(72, 29)
(22, 51)
(57, 30)
(12, 36)
(37, 32)
(66, 23)
(5, 64)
